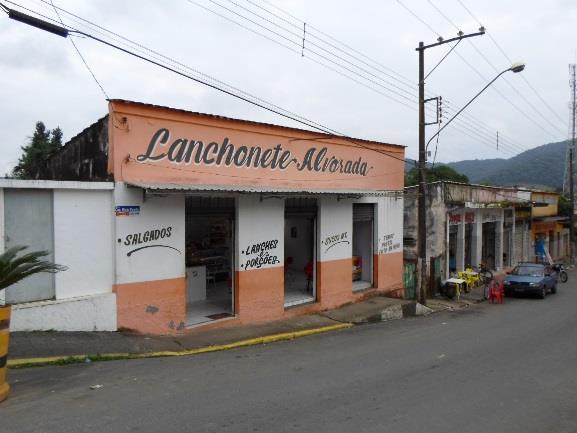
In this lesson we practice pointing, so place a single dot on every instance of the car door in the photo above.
(550, 278)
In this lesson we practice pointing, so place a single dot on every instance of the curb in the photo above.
(76, 359)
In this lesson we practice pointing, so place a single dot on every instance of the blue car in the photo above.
(531, 279)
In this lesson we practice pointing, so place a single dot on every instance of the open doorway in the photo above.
(209, 259)
(300, 251)
(453, 229)
(363, 245)
(488, 245)
(468, 245)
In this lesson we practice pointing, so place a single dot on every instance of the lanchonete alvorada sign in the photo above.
(184, 151)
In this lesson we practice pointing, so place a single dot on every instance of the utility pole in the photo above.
(422, 209)
(421, 292)
(571, 178)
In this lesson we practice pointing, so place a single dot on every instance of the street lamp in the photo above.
(515, 68)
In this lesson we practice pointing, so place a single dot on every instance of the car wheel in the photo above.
(543, 292)
(554, 289)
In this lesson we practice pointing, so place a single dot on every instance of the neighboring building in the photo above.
(210, 220)
(468, 225)
(549, 232)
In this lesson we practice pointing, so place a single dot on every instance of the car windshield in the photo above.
(528, 271)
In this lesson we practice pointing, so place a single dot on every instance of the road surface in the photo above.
(490, 368)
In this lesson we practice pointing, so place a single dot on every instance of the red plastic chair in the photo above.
(497, 293)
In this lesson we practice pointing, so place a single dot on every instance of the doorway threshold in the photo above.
(361, 285)
(298, 301)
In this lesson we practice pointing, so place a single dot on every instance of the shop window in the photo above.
(209, 259)
(363, 245)
(300, 251)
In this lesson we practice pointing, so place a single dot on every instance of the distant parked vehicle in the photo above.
(531, 279)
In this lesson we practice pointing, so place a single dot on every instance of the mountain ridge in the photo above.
(542, 166)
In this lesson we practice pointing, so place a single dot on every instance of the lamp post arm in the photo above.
(466, 105)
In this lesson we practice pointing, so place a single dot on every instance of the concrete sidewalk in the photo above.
(40, 348)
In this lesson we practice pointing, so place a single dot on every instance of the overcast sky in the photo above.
(43, 78)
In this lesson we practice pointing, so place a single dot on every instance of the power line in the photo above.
(324, 57)
(469, 130)
(512, 86)
(523, 77)
(309, 42)
(81, 56)
(419, 18)
(478, 73)
(320, 39)
(306, 122)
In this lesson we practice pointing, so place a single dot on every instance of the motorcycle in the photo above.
(561, 272)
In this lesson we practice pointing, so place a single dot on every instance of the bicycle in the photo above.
(485, 274)
(488, 285)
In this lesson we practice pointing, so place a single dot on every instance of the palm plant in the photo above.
(15, 267)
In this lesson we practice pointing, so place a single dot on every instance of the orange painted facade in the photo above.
(152, 307)
(155, 145)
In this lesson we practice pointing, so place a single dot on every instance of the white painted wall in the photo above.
(161, 258)
(88, 313)
(389, 217)
(335, 228)
(83, 239)
(258, 223)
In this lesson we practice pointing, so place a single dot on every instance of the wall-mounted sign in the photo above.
(333, 240)
(225, 153)
(142, 240)
(159, 145)
(260, 254)
(126, 210)
(454, 218)
(389, 244)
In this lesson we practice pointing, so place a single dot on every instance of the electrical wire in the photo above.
(510, 61)
(348, 76)
(478, 73)
(307, 122)
(462, 128)
(309, 26)
(80, 55)
(298, 35)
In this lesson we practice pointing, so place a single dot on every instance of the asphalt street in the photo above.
(489, 368)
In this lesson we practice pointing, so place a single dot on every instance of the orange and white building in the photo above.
(224, 222)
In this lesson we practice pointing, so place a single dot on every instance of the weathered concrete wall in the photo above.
(436, 221)
(84, 157)
(479, 195)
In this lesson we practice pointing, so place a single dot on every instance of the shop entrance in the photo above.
(363, 245)
(299, 251)
(488, 245)
(468, 244)
(453, 229)
(209, 258)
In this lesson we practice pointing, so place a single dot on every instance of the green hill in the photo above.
(541, 166)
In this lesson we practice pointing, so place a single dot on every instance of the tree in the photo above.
(42, 145)
(564, 206)
(435, 174)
